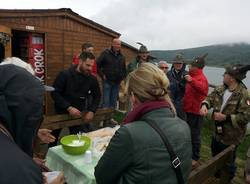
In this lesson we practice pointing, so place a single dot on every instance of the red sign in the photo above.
(36, 55)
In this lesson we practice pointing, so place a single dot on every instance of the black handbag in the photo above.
(174, 158)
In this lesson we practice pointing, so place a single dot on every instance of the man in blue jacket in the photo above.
(177, 84)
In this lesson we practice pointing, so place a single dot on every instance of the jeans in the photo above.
(195, 123)
(179, 109)
(110, 94)
(218, 147)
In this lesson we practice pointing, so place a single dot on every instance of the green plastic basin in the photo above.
(67, 141)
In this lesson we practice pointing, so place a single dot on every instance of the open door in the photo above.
(5, 42)
(29, 47)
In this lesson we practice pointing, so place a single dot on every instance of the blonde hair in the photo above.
(149, 83)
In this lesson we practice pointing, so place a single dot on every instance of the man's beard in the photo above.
(85, 72)
(143, 59)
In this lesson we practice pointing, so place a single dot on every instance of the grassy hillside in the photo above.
(218, 55)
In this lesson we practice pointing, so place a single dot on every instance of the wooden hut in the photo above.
(49, 39)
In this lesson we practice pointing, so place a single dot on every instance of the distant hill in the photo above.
(218, 55)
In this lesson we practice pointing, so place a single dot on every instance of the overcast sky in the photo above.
(160, 24)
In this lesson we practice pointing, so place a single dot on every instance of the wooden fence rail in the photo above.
(207, 170)
(64, 120)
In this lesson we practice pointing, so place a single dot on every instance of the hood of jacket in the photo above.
(21, 109)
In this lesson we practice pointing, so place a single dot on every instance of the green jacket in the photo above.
(237, 110)
(137, 154)
(134, 64)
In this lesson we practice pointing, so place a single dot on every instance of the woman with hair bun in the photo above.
(137, 152)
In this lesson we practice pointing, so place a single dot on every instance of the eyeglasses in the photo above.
(163, 67)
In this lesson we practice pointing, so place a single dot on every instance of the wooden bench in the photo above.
(207, 170)
(64, 120)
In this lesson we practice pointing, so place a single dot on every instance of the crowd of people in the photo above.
(159, 140)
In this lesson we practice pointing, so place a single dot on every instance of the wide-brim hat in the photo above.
(178, 59)
(237, 71)
(199, 61)
(143, 48)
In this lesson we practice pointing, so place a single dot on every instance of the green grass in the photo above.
(206, 136)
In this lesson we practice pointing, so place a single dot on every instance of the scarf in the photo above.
(143, 108)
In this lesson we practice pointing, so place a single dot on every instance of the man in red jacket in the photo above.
(86, 47)
(196, 91)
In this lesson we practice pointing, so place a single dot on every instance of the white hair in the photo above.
(18, 62)
(162, 62)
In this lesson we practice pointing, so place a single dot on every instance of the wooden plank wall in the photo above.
(63, 39)
(129, 54)
(71, 39)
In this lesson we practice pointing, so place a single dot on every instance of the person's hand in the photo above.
(45, 135)
(44, 179)
(247, 179)
(218, 116)
(59, 179)
(203, 110)
(88, 117)
(41, 163)
(188, 78)
(74, 111)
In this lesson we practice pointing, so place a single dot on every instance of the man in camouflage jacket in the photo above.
(142, 56)
(231, 111)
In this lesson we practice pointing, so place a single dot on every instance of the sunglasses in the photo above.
(163, 67)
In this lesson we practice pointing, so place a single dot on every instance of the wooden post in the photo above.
(221, 162)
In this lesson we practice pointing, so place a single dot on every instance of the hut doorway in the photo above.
(20, 45)
(29, 47)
